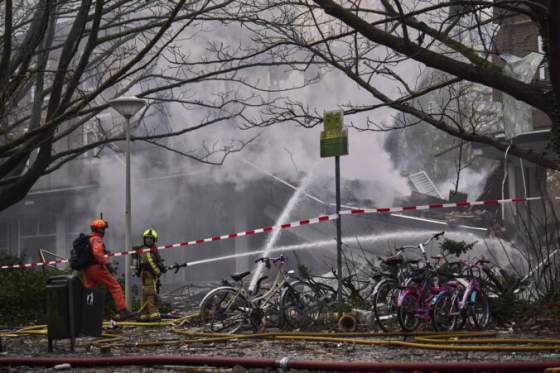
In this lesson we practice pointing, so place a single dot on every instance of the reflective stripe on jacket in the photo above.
(150, 261)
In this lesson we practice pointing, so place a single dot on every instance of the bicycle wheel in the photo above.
(445, 312)
(462, 318)
(300, 307)
(224, 310)
(479, 309)
(385, 305)
(406, 313)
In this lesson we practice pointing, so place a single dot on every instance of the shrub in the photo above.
(456, 248)
(22, 294)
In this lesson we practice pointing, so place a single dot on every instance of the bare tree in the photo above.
(465, 105)
(62, 61)
(369, 41)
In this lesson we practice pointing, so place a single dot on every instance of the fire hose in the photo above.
(431, 341)
(283, 363)
(455, 341)
(450, 341)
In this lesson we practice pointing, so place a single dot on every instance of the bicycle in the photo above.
(308, 302)
(414, 302)
(230, 309)
(385, 292)
(305, 304)
(450, 305)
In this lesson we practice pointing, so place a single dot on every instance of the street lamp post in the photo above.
(127, 107)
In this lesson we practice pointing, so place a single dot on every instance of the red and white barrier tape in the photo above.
(248, 232)
(294, 224)
(437, 206)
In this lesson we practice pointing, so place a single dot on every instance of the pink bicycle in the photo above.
(452, 307)
(414, 302)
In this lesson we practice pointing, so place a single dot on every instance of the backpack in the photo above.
(81, 255)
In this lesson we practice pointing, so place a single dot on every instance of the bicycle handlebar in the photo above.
(434, 237)
(421, 245)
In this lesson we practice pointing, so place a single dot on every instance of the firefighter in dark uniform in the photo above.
(149, 268)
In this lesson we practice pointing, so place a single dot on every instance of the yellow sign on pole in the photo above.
(334, 137)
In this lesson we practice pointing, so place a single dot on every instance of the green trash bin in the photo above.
(73, 310)
(64, 295)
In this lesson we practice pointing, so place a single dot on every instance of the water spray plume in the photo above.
(284, 216)
(289, 185)
(322, 244)
(282, 181)
(304, 246)
(251, 253)
(411, 237)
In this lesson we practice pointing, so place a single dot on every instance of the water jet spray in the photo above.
(283, 217)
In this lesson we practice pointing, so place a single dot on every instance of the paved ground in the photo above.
(146, 341)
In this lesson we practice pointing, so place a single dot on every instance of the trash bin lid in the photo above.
(60, 279)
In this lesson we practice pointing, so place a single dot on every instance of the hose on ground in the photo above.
(433, 341)
(449, 341)
(284, 363)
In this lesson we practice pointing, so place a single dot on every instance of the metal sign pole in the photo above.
(334, 143)
(338, 231)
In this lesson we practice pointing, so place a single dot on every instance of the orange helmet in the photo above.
(98, 223)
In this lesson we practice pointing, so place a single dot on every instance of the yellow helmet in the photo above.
(150, 232)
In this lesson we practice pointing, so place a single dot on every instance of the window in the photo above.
(47, 224)
(77, 223)
(38, 225)
(29, 226)
(30, 246)
(36, 232)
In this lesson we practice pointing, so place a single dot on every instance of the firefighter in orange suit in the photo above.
(98, 273)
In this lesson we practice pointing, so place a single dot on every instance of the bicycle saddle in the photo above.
(239, 276)
(452, 283)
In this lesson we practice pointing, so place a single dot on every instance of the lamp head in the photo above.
(127, 106)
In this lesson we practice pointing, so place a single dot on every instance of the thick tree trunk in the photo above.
(15, 192)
